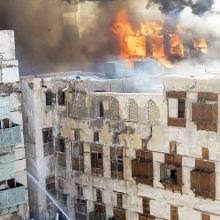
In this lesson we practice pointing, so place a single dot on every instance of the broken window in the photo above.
(115, 138)
(79, 189)
(142, 167)
(117, 168)
(77, 156)
(205, 217)
(119, 200)
(205, 112)
(101, 110)
(205, 153)
(173, 147)
(203, 179)
(176, 109)
(96, 136)
(48, 141)
(77, 134)
(132, 110)
(99, 195)
(50, 98)
(60, 144)
(96, 159)
(50, 185)
(61, 97)
(174, 213)
(146, 206)
(171, 172)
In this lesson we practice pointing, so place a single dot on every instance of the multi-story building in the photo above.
(106, 154)
(13, 178)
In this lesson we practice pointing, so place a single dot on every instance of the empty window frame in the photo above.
(50, 98)
(50, 185)
(181, 108)
(174, 213)
(79, 190)
(60, 144)
(115, 139)
(176, 109)
(117, 168)
(96, 136)
(77, 134)
(97, 160)
(119, 200)
(146, 206)
(48, 141)
(101, 110)
(61, 97)
(99, 195)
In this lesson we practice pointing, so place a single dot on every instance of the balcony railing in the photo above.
(9, 137)
(7, 170)
(12, 197)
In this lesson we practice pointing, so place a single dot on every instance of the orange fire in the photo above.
(150, 40)
(201, 45)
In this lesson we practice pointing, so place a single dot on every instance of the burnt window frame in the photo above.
(96, 136)
(77, 134)
(115, 138)
(61, 96)
(60, 144)
(146, 206)
(117, 162)
(101, 109)
(50, 98)
(50, 184)
(96, 157)
(48, 141)
(99, 196)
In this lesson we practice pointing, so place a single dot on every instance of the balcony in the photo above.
(142, 167)
(80, 206)
(9, 137)
(12, 197)
(119, 214)
(99, 212)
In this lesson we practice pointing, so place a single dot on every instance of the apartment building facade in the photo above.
(114, 155)
(13, 178)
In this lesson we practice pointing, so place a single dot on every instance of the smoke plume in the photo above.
(48, 39)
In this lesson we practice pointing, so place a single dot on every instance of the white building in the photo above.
(13, 178)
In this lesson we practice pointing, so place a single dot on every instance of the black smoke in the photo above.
(198, 7)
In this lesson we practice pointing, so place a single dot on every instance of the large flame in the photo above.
(151, 39)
